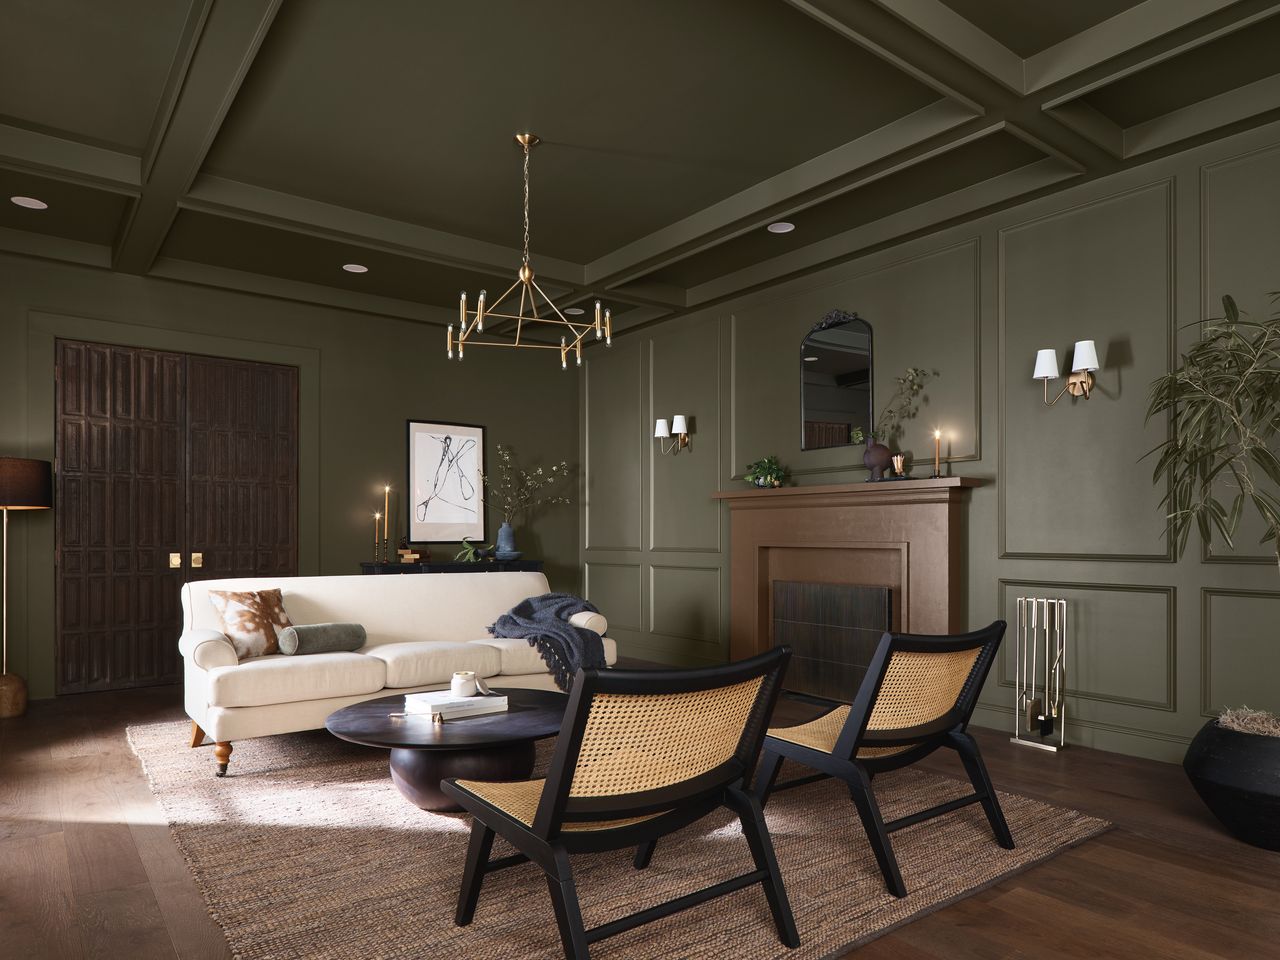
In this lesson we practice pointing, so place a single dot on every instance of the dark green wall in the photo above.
(1067, 511)
(362, 376)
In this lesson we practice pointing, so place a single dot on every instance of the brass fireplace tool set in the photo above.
(1040, 673)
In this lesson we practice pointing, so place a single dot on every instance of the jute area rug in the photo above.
(307, 850)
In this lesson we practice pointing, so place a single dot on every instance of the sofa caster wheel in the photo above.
(221, 754)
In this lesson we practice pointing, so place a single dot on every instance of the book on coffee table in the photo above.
(446, 705)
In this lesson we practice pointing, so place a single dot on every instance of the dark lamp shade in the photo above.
(25, 484)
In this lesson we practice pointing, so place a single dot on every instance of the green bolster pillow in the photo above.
(321, 638)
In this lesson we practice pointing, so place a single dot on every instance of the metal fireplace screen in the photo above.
(833, 630)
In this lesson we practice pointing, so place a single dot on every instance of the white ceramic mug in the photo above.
(463, 684)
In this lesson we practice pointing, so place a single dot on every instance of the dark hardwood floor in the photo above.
(88, 869)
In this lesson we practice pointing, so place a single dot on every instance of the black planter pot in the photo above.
(1238, 777)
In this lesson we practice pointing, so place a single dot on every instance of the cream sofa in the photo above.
(421, 628)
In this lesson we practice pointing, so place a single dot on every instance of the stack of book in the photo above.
(446, 705)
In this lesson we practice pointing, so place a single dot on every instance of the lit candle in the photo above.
(386, 509)
(937, 453)
(376, 518)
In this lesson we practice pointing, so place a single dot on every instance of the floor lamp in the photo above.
(24, 485)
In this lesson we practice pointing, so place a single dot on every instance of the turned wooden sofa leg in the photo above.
(197, 735)
(222, 754)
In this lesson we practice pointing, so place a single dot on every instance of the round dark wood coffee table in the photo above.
(497, 746)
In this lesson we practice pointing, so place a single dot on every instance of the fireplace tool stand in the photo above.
(1040, 673)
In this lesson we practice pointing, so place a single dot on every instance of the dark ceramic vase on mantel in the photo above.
(1238, 777)
(877, 459)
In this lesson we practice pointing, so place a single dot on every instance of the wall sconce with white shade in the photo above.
(677, 433)
(1083, 362)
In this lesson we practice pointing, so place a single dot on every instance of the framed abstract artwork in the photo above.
(445, 489)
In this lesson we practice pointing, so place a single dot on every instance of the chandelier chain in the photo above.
(526, 203)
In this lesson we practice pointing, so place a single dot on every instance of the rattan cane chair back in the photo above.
(918, 687)
(636, 742)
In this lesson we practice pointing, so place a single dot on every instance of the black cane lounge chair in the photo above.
(917, 696)
(640, 754)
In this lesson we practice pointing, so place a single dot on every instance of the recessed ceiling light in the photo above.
(31, 203)
(780, 226)
(574, 311)
(810, 359)
(355, 268)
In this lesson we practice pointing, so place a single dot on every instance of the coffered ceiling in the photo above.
(261, 144)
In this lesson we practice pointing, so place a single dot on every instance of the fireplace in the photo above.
(833, 630)
(905, 537)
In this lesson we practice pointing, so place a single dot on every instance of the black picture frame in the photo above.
(454, 471)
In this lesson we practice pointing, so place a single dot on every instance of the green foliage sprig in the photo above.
(1224, 399)
(518, 492)
(904, 404)
(766, 472)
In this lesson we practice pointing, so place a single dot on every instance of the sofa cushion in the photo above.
(251, 619)
(518, 657)
(280, 679)
(433, 661)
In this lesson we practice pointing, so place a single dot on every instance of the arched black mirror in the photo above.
(835, 382)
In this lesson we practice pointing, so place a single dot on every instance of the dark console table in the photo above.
(456, 566)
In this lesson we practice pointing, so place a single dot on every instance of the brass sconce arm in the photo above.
(679, 442)
(1078, 385)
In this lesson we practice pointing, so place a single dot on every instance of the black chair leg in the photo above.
(754, 828)
(473, 876)
(564, 899)
(869, 810)
(644, 853)
(770, 764)
(971, 757)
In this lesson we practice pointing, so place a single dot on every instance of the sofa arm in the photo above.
(207, 649)
(590, 621)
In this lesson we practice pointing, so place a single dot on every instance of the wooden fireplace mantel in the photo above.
(907, 535)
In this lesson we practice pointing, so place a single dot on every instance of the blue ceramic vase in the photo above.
(506, 546)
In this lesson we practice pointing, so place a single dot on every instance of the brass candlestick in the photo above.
(376, 518)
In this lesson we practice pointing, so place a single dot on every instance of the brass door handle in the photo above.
(175, 561)
(197, 560)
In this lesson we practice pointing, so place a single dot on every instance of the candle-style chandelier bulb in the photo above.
(599, 330)
(449, 341)
(480, 312)
(608, 329)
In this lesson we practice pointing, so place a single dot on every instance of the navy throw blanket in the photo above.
(544, 622)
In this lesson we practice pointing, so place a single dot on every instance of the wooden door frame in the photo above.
(35, 550)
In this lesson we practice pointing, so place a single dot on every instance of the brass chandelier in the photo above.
(471, 322)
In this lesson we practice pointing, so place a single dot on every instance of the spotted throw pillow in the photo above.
(251, 619)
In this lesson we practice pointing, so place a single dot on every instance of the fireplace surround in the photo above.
(905, 535)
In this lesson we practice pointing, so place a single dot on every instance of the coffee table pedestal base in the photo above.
(417, 773)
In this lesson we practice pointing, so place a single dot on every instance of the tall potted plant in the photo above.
(517, 493)
(1224, 401)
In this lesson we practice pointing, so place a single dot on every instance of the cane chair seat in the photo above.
(821, 734)
(520, 799)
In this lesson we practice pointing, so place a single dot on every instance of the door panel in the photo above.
(120, 503)
(244, 468)
(161, 453)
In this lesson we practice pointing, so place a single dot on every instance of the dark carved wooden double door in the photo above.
(170, 467)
